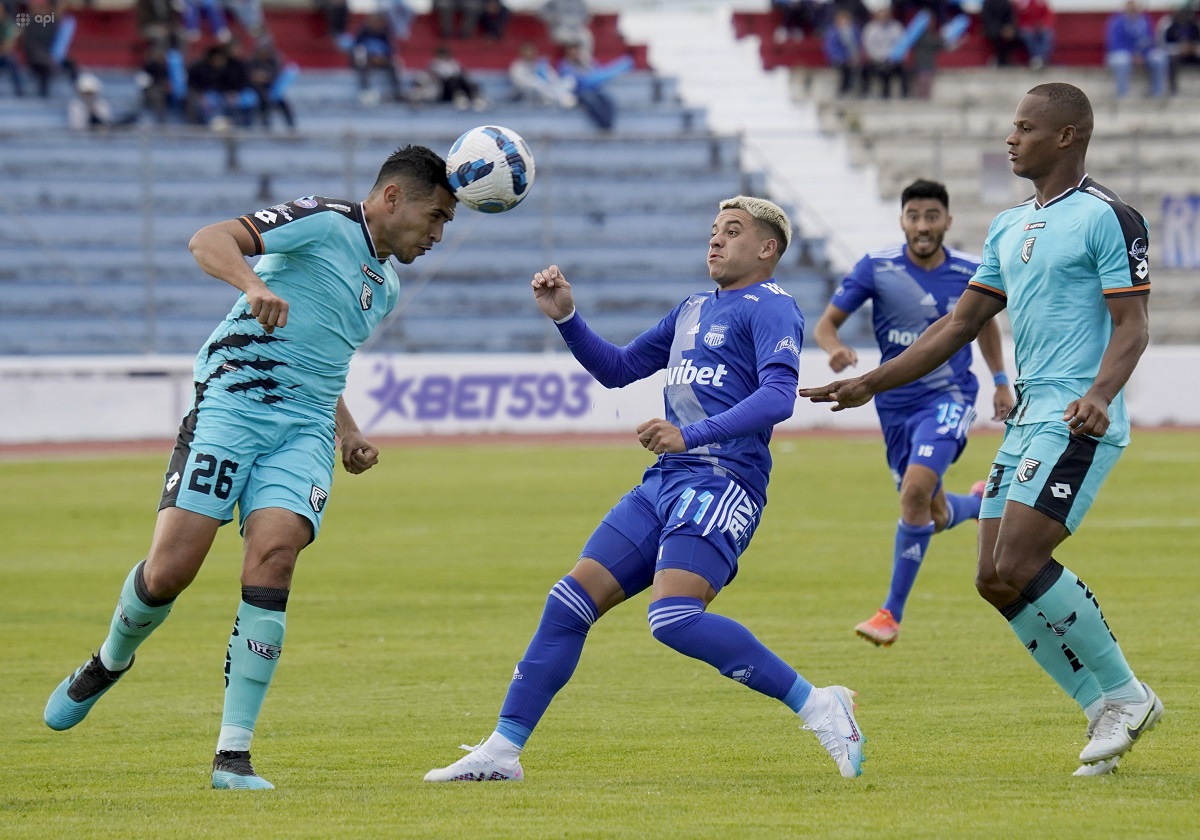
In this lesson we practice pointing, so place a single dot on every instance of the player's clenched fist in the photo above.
(661, 437)
(552, 293)
(268, 308)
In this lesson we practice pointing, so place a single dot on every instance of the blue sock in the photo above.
(549, 660)
(1074, 616)
(1052, 655)
(683, 625)
(136, 617)
(254, 649)
(962, 508)
(912, 541)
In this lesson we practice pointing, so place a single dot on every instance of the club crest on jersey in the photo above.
(365, 297)
(715, 336)
(316, 499)
(378, 278)
(1028, 469)
(1027, 249)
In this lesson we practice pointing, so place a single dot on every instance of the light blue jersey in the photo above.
(1055, 266)
(319, 257)
(906, 300)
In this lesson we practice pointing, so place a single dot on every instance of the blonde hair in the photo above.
(767, 212)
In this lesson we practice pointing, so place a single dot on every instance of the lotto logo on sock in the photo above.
(263, 649)
(1060, 628)
(127, 621)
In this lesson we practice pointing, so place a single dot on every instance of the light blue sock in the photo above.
(549, 660)
(962, 508)
(683, 625)
(254, 649)
(912, 541)
(138, 614)
(1074, 617)
(1053, 656)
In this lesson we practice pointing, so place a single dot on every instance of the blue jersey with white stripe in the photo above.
(1055, 266)
(715, 347)
(906, 300)
(319, 257)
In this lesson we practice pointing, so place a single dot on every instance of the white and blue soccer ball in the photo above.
(490, 169)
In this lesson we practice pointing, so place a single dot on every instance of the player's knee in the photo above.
(272, 567)
(671, 621)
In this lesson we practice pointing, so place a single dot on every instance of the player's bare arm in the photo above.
(358, 453)
(943, 339)
(991, 348)
(552, 293)
(221, 250)
(1088, 415)
(661, 437)
(826, 335)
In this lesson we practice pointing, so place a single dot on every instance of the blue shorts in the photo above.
(1044, 466)
(676, 518)
(933, 437)
(233, 450)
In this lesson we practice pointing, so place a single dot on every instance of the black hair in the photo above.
(1069, 103)
(922, 188)
(421, 169)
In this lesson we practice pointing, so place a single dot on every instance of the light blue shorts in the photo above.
(1044, 466)
(232, 450)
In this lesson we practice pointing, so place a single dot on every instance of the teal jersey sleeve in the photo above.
(286, 228)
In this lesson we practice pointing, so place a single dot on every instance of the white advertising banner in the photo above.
(69, 399)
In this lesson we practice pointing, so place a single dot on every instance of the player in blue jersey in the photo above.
(925, 423)
(1072, 266)
(262, 428)
(731, 358)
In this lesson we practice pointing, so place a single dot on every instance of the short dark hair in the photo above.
(922, 188)
(1069, 104)
(421, 169)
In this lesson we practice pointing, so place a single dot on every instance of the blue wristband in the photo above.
(999, 379)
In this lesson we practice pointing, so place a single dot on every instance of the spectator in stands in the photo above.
(1129, 42)
(1035, 23)
(533, 79)
(798, 18)
(219, 89)
(154, 79)
(372, 50)
(1179, 35)
(47, 44)
(270, 78)
(90, 111)
(843, 49)
(400, 16)
(494, 20)
(210, 10)
(880, 39)
(467, 13)
(568, 23)
(588, 79)
(159, 20)
(9, 34)
(337, 22)
(998, 19)
(447, 81)
(925, 51)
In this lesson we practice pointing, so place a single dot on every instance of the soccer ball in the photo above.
(490, 168)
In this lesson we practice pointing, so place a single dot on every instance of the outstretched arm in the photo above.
(937, 344)
(1088, 415)
(991, 348)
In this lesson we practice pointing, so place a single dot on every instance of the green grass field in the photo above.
(409, 613)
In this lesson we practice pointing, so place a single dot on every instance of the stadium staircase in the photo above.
(94, 227)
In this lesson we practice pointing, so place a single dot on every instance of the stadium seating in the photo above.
(1079, 42)
(96, 259)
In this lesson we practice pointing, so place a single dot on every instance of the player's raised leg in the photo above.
(181, 541)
